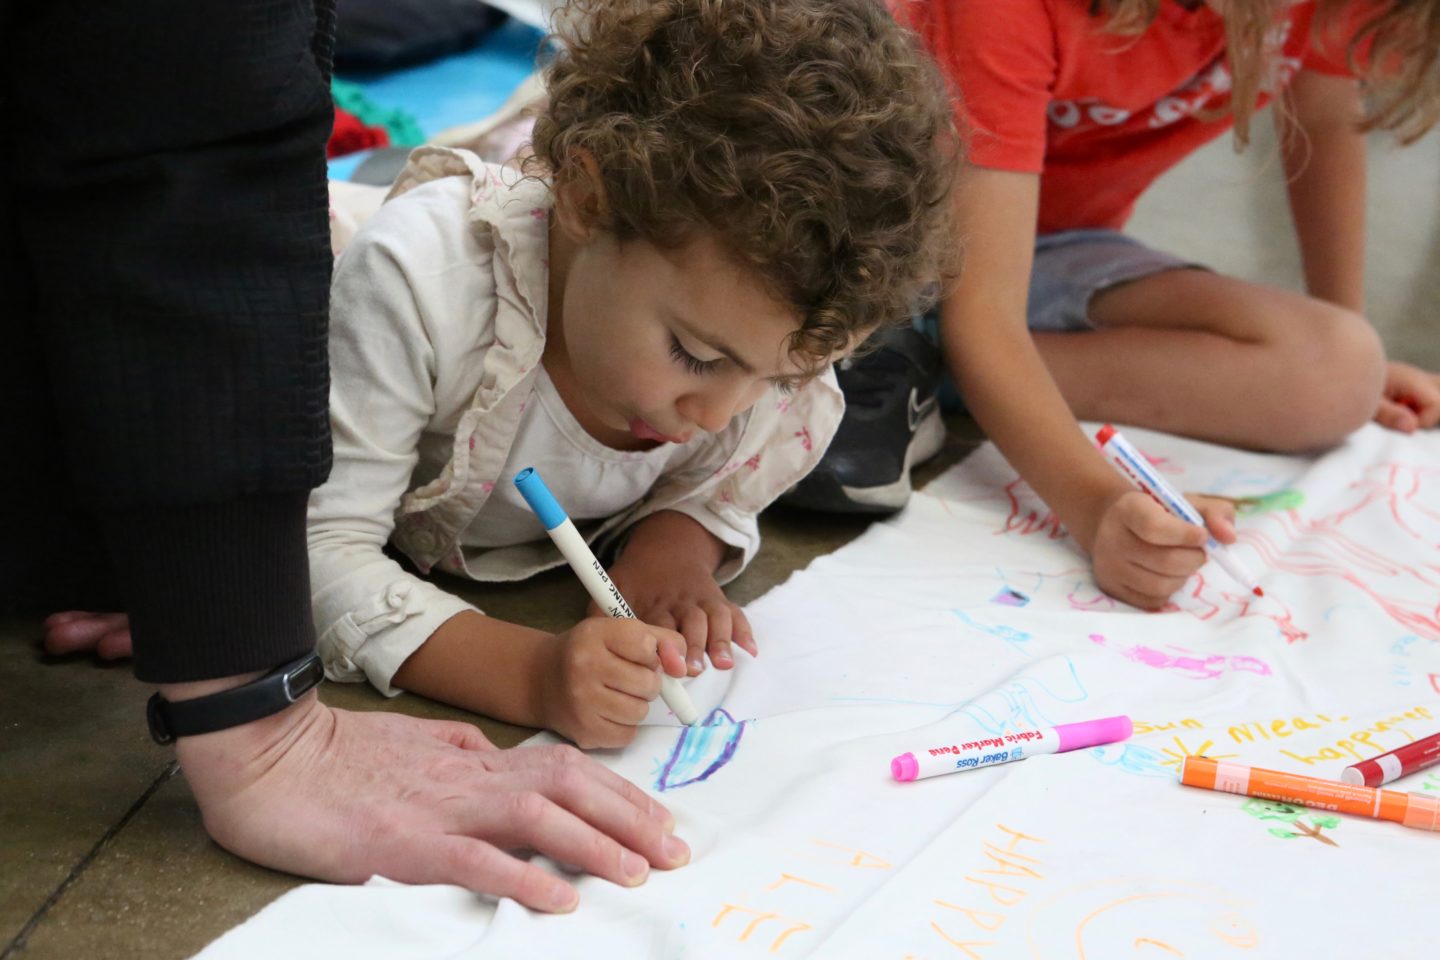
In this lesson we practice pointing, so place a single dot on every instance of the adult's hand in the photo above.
(340, 796)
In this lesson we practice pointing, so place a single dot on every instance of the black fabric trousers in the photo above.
(164, 285)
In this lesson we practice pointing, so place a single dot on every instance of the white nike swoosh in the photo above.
(918, 411)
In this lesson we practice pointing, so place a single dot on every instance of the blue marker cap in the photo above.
(541, 500)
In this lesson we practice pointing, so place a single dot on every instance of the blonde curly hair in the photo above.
(811, 138)
(1395, 50)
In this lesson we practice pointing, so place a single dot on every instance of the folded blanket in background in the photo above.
(377, 35)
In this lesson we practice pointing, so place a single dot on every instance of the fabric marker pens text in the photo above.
(1137, 470)
(597, 582)
(1408, 809)
(1400, 762)
(952, 756)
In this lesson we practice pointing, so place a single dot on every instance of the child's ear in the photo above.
(580, 205)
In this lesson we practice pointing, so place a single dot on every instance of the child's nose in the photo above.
(712, 409)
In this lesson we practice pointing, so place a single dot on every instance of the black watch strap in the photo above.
(239, 705)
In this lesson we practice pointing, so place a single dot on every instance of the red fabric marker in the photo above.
(1398, 763)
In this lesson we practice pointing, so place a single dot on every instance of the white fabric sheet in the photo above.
(969, 613)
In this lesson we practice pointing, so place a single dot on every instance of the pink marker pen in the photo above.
(975, 752)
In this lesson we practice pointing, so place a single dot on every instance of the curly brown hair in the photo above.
(1395, 51)
(812, 138)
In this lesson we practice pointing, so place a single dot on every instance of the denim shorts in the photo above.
(1070, 268)
(1074, 265)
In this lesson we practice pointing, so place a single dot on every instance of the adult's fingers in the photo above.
(561, 755)
(477, 865)
(561, 812)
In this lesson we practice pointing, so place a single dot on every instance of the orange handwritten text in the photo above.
(1014, 866)
(784, 903)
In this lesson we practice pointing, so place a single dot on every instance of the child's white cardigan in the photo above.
(431, 369)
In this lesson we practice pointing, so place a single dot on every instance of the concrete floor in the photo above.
(101, 851)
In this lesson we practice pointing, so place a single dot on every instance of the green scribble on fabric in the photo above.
(1302, 822)
(1270, 502)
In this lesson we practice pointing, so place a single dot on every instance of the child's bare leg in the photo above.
(1208, 356)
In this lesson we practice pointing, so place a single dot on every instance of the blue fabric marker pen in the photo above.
(597, 582)
(1139, 471)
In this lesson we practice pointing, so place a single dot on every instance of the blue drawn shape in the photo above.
(1134, 759)
(701, 750)
(1010, 635)
(1401, 647)
(1011, 707)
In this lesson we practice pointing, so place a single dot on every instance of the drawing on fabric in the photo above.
(1269, 503)
(1013, 706)
(1140, 917)
(1007, 597)
(1295, 822)
(701, 750)
(1010, 635)
(1320, 546)
(1194, 667)
(1088, 597)
(1323, 546)
(1175, 756)
(1133, 758)
(1016, 706)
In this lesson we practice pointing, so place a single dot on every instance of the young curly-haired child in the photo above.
(725, 196)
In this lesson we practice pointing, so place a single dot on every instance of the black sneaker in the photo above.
(892, 422)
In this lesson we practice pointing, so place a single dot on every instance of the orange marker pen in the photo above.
(1409, 809)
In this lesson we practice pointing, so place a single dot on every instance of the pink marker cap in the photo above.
(1093, 733)
(904, 767)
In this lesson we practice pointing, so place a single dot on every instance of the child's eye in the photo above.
(690, 362)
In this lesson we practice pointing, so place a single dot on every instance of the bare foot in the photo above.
(107, 635)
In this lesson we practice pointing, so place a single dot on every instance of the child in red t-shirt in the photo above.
(1071, 116)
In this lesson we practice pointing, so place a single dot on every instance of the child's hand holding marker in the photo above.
(667, 574)
(1154, 568)
(1143, 554)
(607, 596)
(603, 674)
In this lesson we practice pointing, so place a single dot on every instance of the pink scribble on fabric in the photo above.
(1024, 519)
(806, 440)
(488, 486)
(783, 404)
(754, 462)
(1099, 601)
(1196, 668)
(539, 213)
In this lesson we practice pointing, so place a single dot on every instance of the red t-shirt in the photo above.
(1044, 89)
